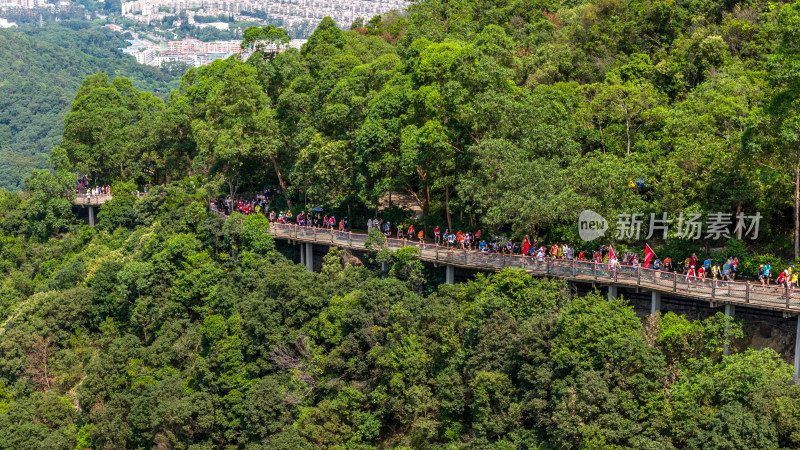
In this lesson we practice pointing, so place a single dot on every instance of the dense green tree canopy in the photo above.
(41, 70)
(486, 116)
(168, 326)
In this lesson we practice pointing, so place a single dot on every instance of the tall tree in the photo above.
(238, 126)
(267, 40)
(103, 128)
(626, 103)
(774, 137)
(49, 205)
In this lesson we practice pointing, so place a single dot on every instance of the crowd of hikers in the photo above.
(692, 269)
(256, 205)
(82, 187)
(260, 204)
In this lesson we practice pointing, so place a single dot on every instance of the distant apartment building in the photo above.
(163, 58)
(143, 56)
(217, 25)
(26, 4)
(192, 52)
(197, 46)
(289, 12)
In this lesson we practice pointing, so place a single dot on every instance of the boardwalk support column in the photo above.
(450, 274)
(303, 254)
(729, 312)
(612, 292)
(91, 215)
(384, 269)
(797, 353)
(310, 257)
(655, 302)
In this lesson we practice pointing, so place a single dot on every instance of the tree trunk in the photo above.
(628, 133)
(447, 207)
(419, 201)
(281, 182)
(232, 192)
(602, 138)
(427, 201)
(232, 188)
(796, 211)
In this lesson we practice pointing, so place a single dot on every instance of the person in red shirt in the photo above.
(690, 274)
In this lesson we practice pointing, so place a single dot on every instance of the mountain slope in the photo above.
(40, 70)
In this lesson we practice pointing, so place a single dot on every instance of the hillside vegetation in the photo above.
(167, 326)
(40, 71)
(497, 115)
(190, 332)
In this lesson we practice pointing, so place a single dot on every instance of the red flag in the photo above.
(611, 256)
(526, 247)
(649, 254)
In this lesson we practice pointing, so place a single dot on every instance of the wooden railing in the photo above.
(767, 297)
(91, 200)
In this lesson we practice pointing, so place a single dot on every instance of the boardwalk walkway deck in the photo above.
(94, 200)
(742, 293)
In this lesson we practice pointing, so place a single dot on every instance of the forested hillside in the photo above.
(495, 115)
(40, 71)
(190, 332)
(168, 326)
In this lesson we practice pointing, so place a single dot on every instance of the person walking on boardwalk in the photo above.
(690, 274)
(767, 272)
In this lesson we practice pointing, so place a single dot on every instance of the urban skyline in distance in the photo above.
(289, 14)
(285, 13)
(197, 32)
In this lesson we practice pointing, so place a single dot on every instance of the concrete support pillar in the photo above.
(797, 353)
(91, 215)
(310, 257)
(450, 274)
(655, 302)
(730, 310)
(303, 254)
(612, 292)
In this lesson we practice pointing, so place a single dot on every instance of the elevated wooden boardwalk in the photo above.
(717, 292)
(94, 200)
